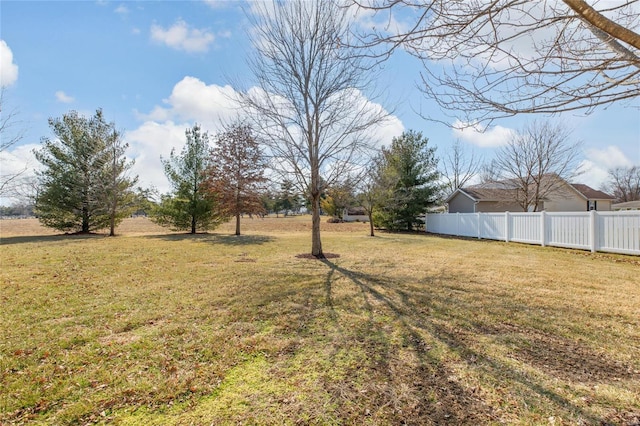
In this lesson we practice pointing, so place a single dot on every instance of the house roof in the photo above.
(504, 191)
(356, 211)
(590, 193)
(488, 194)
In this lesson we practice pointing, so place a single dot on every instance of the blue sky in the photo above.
(155, 68)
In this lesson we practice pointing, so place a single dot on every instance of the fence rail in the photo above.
(614, 232)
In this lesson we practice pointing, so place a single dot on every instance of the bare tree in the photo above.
(492, 59)
(459, 167)
(537, 162)
(310, 107)
(11, 133)
(624, 183)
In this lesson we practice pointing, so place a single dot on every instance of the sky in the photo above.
(156, 68)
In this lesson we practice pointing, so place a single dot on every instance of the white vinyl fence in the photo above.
(614, 232)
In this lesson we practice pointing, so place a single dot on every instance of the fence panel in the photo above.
(492, 226)
(525, 228)
(467, 224)
(619, 232)
(615, 232)
(569, 229)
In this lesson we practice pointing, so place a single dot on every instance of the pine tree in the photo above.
(73, 195)
(409, 167)
(189, 207)
(118, 194)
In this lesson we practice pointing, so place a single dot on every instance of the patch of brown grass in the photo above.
(156, 327)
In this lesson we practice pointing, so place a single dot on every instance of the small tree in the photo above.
(190, 207)
(77, 182)
(337, 198)
(458, 167)
(286, 199)
(118, 194)
(375, 189)
(411, 164)
(236, 172)
(624, 183)
(536, 162)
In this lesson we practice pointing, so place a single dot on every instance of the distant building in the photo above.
(503, 195)
(628, 205)
(355, 214)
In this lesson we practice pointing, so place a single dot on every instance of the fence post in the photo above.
(506, 227)
(543, 228)
(479, 225)
(458, 223)
(593, 231)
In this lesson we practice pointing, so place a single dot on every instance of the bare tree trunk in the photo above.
(316, 243)
(85, 219)
(112, 220)
(193, 224)
(237, 223)
(371, 223)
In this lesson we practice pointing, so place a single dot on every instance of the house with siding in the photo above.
(503, 195)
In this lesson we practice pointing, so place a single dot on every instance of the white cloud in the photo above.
(122, 10)
(181, 36)
(607, 158)
(18, 160)
(63, 97)
(482, 136)
(595, 168)
(147, 144)
(193, 100)
(8, 70)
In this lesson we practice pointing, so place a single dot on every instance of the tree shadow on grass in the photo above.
(229, 240)
(48, 238)
(429, 390)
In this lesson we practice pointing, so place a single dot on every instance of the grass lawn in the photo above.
(156, 328)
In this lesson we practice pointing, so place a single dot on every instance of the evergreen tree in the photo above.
(409, 167)
(285, 199)
(190, 207)
(119, 196)
(83, 182)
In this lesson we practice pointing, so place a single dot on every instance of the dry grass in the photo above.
(155, 327)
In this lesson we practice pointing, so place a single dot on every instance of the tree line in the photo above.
(311, 68)
(85, 183)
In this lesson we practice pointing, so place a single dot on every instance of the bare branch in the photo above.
(487, 60)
